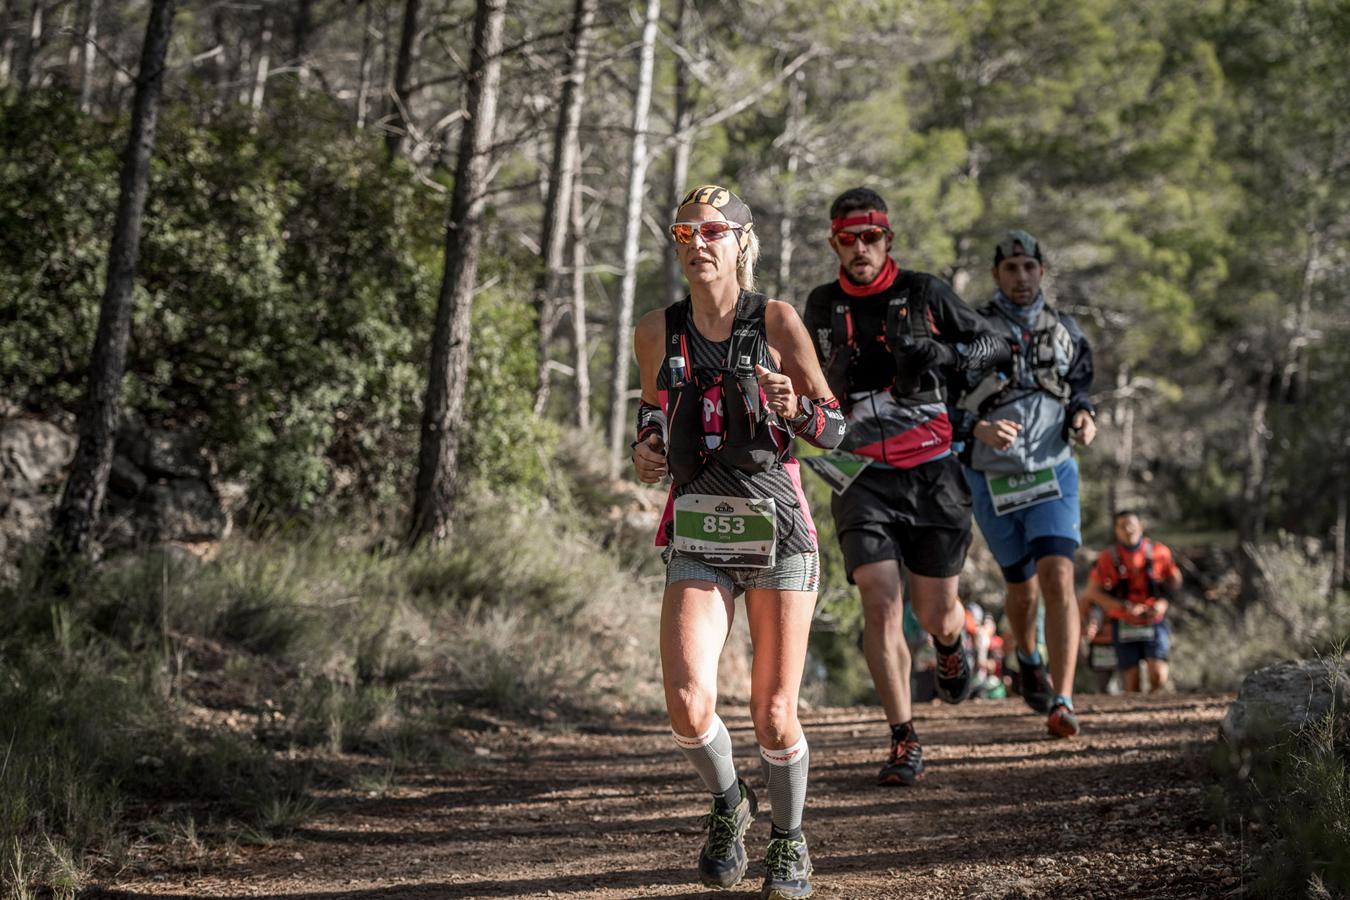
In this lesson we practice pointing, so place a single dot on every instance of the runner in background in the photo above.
(728, 378)
(1018, 434)
(1098, 643)
(889, 339)
(1132, 581)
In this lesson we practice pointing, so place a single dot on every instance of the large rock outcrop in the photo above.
(33, 458)
(1282, 698)
(162, 488)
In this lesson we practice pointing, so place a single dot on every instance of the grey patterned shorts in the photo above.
(799, 572)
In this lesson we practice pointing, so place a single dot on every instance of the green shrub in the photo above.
(285, 290)
(1220, 643)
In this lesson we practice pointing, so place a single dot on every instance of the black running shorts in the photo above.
(919, 517)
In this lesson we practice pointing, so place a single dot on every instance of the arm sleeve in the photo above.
(982, 347)
(651, 420)
(1080, 370)
(824, 426)
(956, 322)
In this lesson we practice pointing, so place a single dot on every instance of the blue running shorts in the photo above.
(1018, 539)
(1130, 653)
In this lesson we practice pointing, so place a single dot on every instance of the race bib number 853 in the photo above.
(736, 532)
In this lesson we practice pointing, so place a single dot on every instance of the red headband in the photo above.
(871, 218)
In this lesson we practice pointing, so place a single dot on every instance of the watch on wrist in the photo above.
(808, 410)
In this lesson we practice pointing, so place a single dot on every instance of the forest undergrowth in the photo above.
(165, 699)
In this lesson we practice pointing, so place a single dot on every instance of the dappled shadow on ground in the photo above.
(613, 814)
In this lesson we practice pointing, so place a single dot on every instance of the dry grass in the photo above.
(179, 688)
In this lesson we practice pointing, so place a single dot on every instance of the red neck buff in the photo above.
(885, 278)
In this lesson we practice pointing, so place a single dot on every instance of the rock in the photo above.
(125, 478)
(182, 509)
(233, 495)
(24, 520)
(33, 454)
(1281, 698)
(161, 453)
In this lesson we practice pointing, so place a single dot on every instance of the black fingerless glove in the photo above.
(921, 354)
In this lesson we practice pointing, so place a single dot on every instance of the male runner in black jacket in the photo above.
(885, 336)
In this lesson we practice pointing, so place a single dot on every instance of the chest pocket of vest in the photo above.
(843, 352)
(720, 412)
(906, 320)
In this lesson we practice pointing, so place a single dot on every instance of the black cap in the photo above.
(1008, 246)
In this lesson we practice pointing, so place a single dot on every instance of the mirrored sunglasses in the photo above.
(869, 236)
(683, 232)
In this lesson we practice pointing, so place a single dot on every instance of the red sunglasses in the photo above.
(683, 232)
(870, 236)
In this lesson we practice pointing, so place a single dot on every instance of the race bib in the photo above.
(837, 468)
(1013, 492)
(1128, 634)
(735, 532)
(1102, 657)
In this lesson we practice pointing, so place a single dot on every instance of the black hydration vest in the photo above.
(746, 442)
(907, 317)
(1121, 589)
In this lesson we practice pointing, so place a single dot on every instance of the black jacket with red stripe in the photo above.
(884, 424)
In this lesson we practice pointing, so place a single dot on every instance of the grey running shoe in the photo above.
(788, 875)
(722, 861)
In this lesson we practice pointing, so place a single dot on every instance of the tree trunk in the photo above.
(442, 414)
(399, 115)
(223, 72)
(367, 60)
(549, 288)
(72, 17)
(255, 99)
(82, 498)
(303, 30)
(1255, 491)
(684, 140)
(1337, 581)
(30, 47)
(579, 343)
(1293, 377)
(8, 65)
(1122, 420)
(787, 239)
(88, 54)
(637, 181)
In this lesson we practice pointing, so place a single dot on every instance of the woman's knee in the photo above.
(775, 716)
(691, 708)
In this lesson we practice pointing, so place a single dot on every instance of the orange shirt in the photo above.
(1105, 575)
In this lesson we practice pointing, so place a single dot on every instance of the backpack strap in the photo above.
(843, 350)
(1153, 588)
(677, 344)
(747, 335)
(1121, 589)
(908, 317)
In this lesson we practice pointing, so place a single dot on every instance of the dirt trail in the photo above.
(1004, 812)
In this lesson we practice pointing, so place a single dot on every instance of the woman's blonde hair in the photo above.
(745, 263)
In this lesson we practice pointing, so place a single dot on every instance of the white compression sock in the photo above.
(785, 775)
